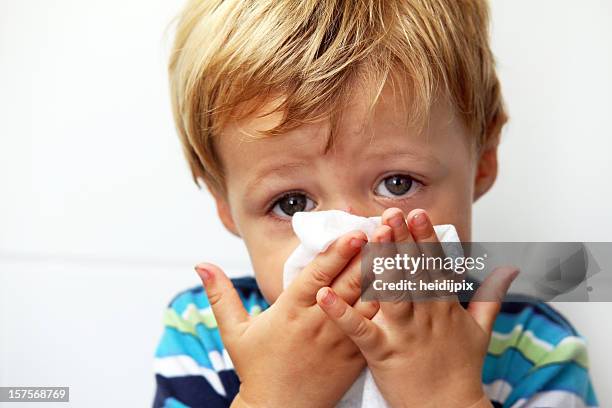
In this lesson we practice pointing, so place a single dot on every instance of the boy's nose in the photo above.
(352, 205)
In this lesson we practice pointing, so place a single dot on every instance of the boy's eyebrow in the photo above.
(421, 157)
(281, 169)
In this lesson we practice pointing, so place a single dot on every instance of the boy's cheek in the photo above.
(268, 259)
(452, 203)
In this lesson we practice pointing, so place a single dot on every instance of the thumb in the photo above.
(224, 300)
(486, 303)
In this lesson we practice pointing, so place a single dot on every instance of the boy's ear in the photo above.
(223, 210)
(486, 170)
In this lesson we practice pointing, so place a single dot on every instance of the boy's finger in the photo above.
(394, 218)
(362, 331)
(486, 303)
(404, 242)
(367, 309)
(383, 235)
(224, 301)
(381, 242)
(424, 234)
(325, 267)
(399, 311)
(348, 284)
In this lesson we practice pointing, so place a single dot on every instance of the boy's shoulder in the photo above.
(191, 356)
(536, 356)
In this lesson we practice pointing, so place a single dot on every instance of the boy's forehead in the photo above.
(264, 115)
(389, 124)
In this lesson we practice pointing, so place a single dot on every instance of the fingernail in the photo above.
(419, 219)
(357, 242)
(514, 274)
(204, 273)
(329, 298)
(396, 221)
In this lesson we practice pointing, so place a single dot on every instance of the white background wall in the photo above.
(100, 224)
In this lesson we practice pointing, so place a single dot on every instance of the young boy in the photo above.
(373, 107)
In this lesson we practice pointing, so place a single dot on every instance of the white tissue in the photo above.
(316, 230)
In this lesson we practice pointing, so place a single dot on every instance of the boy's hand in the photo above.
(423, 353)
(292, 354)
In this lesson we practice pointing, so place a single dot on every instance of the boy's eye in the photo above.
(396, 185)
(292, 203)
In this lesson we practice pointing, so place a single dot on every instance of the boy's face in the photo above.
(371, 166)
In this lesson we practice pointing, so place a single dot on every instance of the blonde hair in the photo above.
(230, 52)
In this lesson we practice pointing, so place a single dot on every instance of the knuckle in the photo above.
(214, 297)
(361, 329)
(369, 310)
(354, 283)
(428, 322)
(292, 315)
(342, 313)
(337, 341)
(456, 311)
(442, 307)
(318, 273)
(384, 354)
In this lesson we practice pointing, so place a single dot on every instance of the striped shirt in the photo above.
(535, 357)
